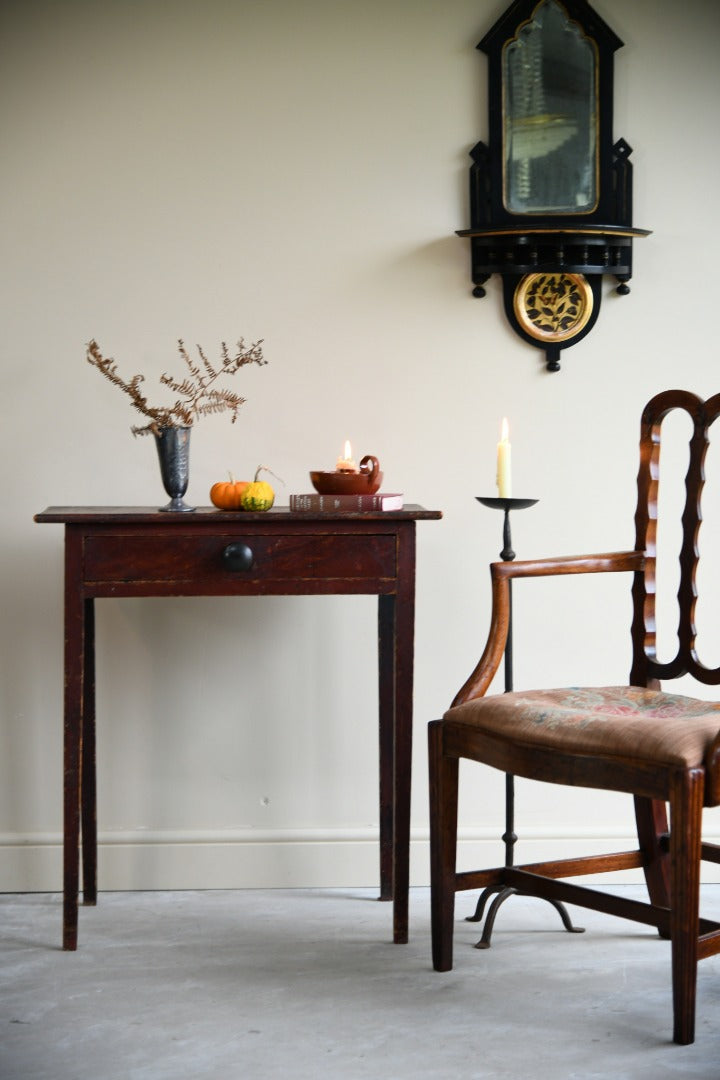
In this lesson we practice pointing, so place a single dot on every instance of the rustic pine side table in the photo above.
(118, 551)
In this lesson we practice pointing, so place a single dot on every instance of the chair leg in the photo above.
(686, 805)
(443, 846)
(652, 830)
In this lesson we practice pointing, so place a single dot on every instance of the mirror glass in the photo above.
(550, 116)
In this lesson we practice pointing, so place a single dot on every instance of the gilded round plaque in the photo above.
(553, 307)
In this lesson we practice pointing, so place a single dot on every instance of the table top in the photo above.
(209, 515)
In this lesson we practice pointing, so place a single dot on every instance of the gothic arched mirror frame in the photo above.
(551, 192)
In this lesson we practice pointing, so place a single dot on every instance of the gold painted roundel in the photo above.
(553, 307)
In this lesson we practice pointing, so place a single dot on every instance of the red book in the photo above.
(313, 501)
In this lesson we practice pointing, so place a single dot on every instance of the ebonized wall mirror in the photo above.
(551, 192)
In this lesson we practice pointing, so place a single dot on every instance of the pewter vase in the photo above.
(173, 447)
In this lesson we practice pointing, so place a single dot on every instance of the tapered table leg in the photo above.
(396, 628)
(88, 784)
(404, 655)
(386, 674)
(73, 706)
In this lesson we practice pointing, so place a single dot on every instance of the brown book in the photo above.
(313, 501)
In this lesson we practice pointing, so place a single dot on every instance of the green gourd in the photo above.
(258, 495)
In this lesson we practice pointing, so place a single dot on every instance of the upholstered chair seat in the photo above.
(611, 722)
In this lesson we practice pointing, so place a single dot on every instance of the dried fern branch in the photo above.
(198, 396)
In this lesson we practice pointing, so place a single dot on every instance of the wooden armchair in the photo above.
(662, 748)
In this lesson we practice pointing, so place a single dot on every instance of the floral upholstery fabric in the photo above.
(613, 721)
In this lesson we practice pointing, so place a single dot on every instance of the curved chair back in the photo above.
(647, 669)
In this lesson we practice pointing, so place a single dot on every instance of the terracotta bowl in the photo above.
(366, 482)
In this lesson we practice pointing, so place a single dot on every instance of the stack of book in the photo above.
(313, 501)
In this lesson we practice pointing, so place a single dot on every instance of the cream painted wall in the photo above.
(296, 172)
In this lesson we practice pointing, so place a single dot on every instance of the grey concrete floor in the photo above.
(306, 983)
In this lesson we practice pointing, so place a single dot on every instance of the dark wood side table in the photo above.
(135, 551)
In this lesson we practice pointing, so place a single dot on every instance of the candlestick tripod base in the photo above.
(504, 892)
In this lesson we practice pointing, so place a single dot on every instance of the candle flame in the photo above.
(348, 451)
(504, 431)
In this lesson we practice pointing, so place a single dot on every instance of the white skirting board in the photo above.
(301, 858)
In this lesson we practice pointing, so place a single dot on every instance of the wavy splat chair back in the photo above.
(647, 669)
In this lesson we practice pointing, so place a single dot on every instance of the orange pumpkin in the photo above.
(226, 494)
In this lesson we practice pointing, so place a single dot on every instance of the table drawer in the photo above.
(251, 556)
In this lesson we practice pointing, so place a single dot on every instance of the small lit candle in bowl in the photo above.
(345, 464)
(504, 474)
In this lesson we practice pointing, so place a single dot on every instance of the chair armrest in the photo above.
(610, 562)
(501, 576)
